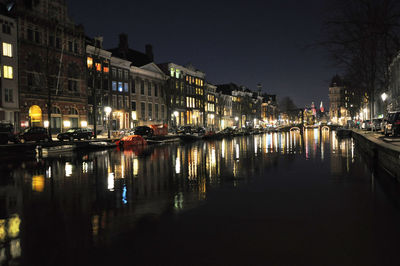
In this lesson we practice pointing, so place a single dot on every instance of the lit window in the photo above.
(114, 85)
(126, 87)
(172, 72)
(8, 72)
(106, 69)
(120, 87)
(7, 49)
(89, 62)
(98, 67)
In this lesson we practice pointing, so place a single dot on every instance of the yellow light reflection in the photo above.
(2, 230)
(38, 183)
(13, 226)
(135, 167)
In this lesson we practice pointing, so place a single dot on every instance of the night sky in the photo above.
(245, 42)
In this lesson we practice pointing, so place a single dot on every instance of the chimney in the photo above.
(149, 52)
(123, 42)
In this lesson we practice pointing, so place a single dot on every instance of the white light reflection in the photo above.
(124, 200)
(223, 148)
(177, 165)
(255, 145)
(110, 182)
(85, 167)
(237, 151)
(48, 172)
(68, 169)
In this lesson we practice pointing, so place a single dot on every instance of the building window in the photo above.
(162, 112)
(142, 87)
(98, 67)
(126, 87)
(30, 35)
(133, 106)
(114, 101)
(114, 86)
(7, 49)
(89, 62)
(133, 86)
(119, 73)
(75, 47)
(126, 102)
(106, 68)
(143, 110)
(156, 111)
(8, 95)
(114, 72)
(120, 102)
(150, 110)
(72, 85)
(120, 87)
(149, 85)
(58, 43)
(126, 74)
(155, 90)
(73, 111)
(70, 46)
(6, 29)
(8, 72)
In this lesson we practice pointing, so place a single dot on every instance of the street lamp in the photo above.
(108, 109)
(384, 96)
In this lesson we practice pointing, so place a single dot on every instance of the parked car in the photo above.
(392, 124)
(34, 134)
(7, 133)
(200, 130)
(376, 124)
(366, 125)
(143, 131)
(76, 133)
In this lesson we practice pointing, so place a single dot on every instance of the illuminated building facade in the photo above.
(210, 106)
(393, 103)
(148, 95)
(120, 94)
(51, 66)
(269, 109)
(9, 99)
(185, 94)
(98, 83)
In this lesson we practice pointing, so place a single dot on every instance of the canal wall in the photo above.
(380, 153)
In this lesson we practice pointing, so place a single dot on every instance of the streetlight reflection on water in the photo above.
(175, 176)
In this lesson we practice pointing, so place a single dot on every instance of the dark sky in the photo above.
(245, 42)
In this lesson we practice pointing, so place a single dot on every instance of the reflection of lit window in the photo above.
(124, 200)
(13, 226)
(68, 169)
(15, 248)
(135, 167)
(110, 182)
(85, 167)
(177, 165)
(38, 183)
(2, 229)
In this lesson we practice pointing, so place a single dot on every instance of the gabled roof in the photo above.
(153, 68)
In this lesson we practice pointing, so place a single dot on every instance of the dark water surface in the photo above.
(272, 199)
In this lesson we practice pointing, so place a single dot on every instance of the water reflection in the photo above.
(96, 197)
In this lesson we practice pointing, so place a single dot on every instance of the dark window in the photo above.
(58, 43)
(142, 87)
(75, 47)
(30, 35)
(30, 79)
(150, 110)
(133, 86)
(143, 110)
(133, 106)
(51, 41)
(149, 88)
(155, 90)
(73, 85)
(114, 72)
(6, 29)
(69, 46)
(105, 84)
(37, 36)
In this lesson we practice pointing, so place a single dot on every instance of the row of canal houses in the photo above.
(53, 75)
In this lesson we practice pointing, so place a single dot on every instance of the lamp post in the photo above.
(108, 109)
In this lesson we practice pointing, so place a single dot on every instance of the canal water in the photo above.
(271, 199)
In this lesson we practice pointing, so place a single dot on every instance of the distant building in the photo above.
(185, 94)
(120, 93)
(269, 109)
(51, 66)
(344, 102)
(9, 98)
(393, 99)
(148, 95)
(210, 106)
(98, 83)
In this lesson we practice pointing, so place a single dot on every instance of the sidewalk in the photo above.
(379, 138)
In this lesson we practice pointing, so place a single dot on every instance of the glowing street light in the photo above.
(384, 96)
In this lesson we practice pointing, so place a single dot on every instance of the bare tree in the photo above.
(362, 37)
